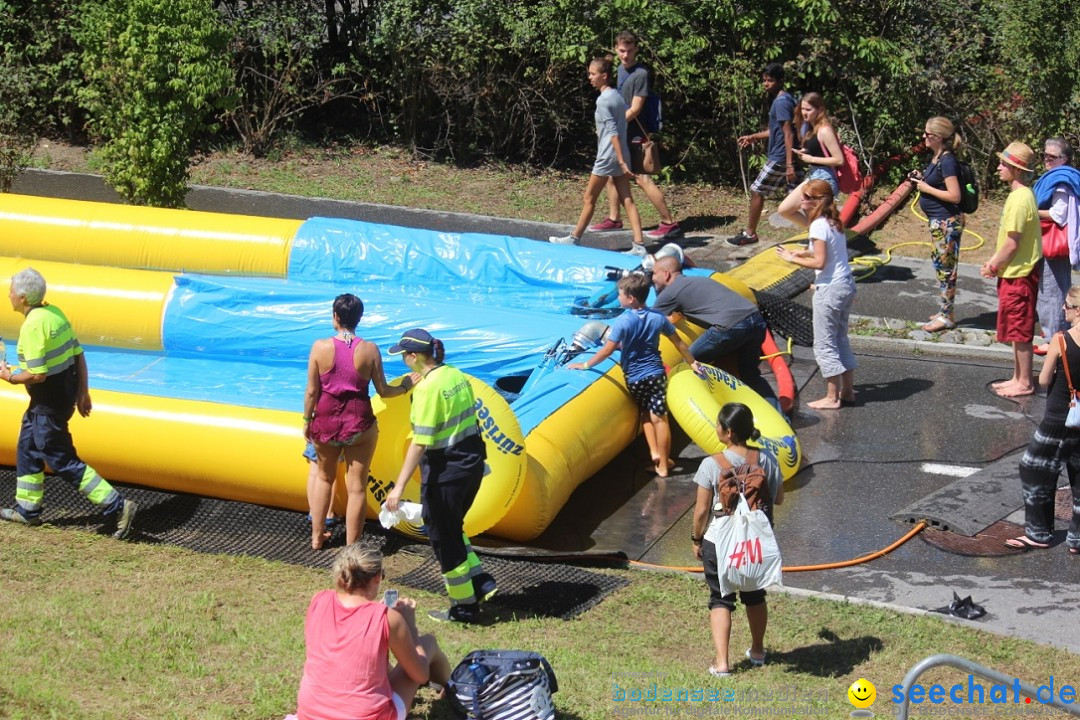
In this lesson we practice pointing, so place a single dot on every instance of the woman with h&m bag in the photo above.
(1055, 443)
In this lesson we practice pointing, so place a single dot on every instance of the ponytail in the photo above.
(438, 350)
(738, 420)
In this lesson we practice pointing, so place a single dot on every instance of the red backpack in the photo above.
(848, 177)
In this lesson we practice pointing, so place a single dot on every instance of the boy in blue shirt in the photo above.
(636, 333)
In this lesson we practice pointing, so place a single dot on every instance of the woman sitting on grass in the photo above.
(348, 632)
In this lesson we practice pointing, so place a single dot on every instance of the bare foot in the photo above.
(1000, 384)
(662, 470)
(825, 403)
(318, 540)
(1015, 391)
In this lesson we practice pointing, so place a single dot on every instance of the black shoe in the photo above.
(742, 239)
(467, 614)
(485, 587)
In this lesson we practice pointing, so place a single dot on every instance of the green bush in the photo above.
(153, 70)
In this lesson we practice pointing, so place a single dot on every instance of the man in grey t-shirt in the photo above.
(733, 323)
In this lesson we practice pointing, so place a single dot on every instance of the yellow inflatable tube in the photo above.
(695, 402)
(94, 233)
(253, 455)
(568, 447)
(110, 306)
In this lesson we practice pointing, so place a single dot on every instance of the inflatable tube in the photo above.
(504, 471)
(785, 382)
(887, 208)
(109, 306)
(695, 402)
(126, 236)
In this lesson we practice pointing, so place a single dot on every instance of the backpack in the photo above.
(969, 187)
(848, 177)
(502, 685)
(651, 116)
(748, 479)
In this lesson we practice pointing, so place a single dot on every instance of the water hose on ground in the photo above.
(804, 568)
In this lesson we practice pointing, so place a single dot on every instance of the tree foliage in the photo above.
(473, 80)
(153, 71)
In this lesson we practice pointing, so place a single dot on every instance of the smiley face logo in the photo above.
(862, 693)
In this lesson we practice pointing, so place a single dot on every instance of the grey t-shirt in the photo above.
(708, 475)
(610, 120)
(782, 110)
(633, 83)
(704, 302)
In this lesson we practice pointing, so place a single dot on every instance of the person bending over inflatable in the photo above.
(348, 634)
(448, 449)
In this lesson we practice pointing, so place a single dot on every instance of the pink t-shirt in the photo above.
(346, 674)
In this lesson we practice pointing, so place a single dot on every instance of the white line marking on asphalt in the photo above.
(952, 470)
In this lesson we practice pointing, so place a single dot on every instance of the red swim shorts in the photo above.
(1016, 308)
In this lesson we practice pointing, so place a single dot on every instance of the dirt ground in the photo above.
(391, 176)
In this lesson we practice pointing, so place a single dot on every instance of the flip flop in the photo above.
(938, 324)
(1040, 349)
(1074, 551)
(1023, 542)
(755, 661)
(718, 673)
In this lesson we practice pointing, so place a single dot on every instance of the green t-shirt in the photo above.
(1021, 215)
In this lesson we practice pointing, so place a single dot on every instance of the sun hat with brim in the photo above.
(1019, 155)
(416, 340)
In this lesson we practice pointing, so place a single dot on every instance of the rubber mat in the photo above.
(528, 588)
(787, 317)
(224, 527)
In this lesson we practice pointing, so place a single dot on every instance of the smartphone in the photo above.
(390, 597)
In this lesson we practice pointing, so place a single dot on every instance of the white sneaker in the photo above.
(636, 250)
(564, 240)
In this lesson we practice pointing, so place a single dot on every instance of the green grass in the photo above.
(92, 628)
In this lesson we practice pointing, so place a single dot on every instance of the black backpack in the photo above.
(969, 187)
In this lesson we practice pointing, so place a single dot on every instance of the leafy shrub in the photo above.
(153, 69)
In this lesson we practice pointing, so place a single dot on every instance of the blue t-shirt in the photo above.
(781, 111)
(638, 334)
(934, 176)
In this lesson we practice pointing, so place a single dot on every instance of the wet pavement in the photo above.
(923, 410)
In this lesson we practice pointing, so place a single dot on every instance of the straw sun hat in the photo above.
(1019, 156)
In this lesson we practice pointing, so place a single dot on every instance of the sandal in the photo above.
(1074, 551)
(1041, 349)
(719, 673)
(1023, 542)
(756, 662)
(939, 323)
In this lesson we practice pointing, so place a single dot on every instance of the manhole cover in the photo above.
(989, 543)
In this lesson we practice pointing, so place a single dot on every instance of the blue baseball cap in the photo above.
(417, 340)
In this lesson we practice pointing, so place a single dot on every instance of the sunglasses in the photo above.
(1047, 157)
(930, 134)
(812, 198)
(1067, 306)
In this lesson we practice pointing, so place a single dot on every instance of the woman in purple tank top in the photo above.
(338, 418)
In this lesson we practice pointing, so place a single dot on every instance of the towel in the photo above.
(408, 511)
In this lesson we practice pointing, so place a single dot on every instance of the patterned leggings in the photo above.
(945, 237)
(1053, 448)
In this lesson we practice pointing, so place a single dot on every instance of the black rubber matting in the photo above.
(234, 528)
(528, 588)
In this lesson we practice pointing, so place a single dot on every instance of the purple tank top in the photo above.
(342, 379)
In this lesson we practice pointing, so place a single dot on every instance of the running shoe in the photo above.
(467, 614)
(564, 240)
(743, 238)
(13, 515)
(636, 250)
(665, 231)
(606, 225)
(127, 519)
